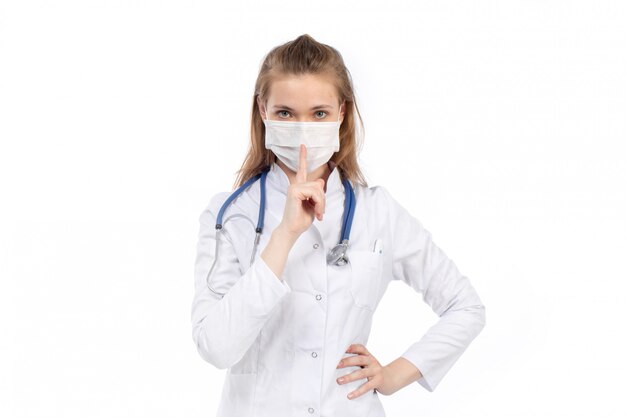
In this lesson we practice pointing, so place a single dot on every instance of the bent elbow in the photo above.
(473, 317)
(209, 350)
(479, 317)
(483, 316)
(477, 313)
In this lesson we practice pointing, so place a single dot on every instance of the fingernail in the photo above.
(340, 380)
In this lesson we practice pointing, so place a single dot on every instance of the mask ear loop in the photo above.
(267, 114)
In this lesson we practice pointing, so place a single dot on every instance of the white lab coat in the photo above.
(281, 339)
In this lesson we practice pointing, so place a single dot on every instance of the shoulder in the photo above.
(376, 196)
(372, 209)
(209, 214)
(380, 201)
(245, 204)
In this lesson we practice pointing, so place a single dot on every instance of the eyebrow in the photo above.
(321, 106)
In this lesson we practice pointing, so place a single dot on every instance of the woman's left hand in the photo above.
(371, 369)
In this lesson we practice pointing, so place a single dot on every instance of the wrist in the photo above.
(389, 385)
(398, 374)
(284, 234)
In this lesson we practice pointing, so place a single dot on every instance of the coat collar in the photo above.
(278, 180)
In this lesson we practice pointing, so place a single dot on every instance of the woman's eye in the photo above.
(284, 114)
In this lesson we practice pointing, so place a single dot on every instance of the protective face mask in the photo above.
(284, 139)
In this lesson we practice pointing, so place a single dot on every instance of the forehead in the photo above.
(302, 90)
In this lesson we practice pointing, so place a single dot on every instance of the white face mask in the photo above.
(284, 139)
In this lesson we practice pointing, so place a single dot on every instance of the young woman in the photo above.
(290, 269)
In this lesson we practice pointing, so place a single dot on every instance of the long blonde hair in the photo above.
(304, 55)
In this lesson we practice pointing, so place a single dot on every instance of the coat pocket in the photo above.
(366, 270)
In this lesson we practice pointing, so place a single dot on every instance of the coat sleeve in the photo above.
(224, 327)
(421, 264)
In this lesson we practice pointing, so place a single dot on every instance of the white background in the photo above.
(499, 124)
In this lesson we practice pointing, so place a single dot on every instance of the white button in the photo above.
(318, 297)
(316, 246)
(314, 354)
(311, 410)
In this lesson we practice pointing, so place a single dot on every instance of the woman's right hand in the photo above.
(305, 199)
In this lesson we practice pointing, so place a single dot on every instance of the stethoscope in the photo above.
(336, 256)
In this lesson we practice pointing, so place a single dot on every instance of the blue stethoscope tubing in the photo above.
(336, 256)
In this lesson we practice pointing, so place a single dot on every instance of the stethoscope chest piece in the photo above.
(337, 255)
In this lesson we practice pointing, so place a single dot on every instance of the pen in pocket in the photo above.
(378, 246)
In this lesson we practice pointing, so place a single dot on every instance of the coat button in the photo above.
(314, 354)
(311, 410)
(318, 297)
(316, 246)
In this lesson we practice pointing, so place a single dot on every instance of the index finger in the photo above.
(301, 175)
(357, 348)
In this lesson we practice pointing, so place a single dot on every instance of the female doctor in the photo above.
(291, 267)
